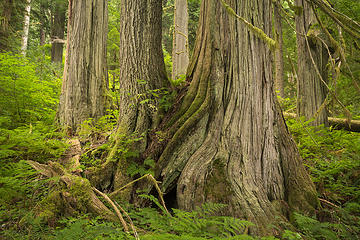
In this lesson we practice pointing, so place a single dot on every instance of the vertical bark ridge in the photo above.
(200, 92)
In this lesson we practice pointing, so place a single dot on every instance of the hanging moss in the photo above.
(255, 30)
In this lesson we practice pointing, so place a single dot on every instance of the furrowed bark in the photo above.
(85, 76)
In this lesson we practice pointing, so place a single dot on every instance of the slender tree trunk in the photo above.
(42, 24)
(180, 52)
(312, 72)
(85, 74)
(279, 61)
(57, 31)
(25, 35)
(228, 142)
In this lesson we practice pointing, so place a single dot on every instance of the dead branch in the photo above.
(126, 229)
(338, 123)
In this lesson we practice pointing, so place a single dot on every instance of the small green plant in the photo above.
(135, 168)
(37, 141)
(90, 228)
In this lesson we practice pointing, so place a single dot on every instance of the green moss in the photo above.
(217, 186)
(80, 189)
(255, 30)
(49, 208)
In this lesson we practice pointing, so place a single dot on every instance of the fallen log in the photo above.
(337, 123)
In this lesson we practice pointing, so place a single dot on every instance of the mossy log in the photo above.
(337, 123)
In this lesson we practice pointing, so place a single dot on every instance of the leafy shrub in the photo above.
(333, 159)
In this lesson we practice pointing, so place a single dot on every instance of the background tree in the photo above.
(85, 75)
(12, 22)
(279, 61)
(180, 51)
(6, 12)
(312, 72)
(141, 59)
(25, 35)
(142, 74)
(228, 142)
(58, 30)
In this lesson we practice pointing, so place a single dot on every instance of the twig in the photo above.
(127, 185)
(151, 179)
(126, 229)
(329, 203)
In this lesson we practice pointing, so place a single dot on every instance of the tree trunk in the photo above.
(85, 74)
(142, 67)
(57, 31)
(142, 73)
(7, 8)
(312, 72)
(279, 62)
(228, 142)
(25, 35)
(180, 51)
(43, 19)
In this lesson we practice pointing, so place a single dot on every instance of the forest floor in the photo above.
(331, 156)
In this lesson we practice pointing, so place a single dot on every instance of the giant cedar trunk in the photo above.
(57, 31)
(142, 67)
(312, 72)
(85, 75)
(229, 142)
(142, 73)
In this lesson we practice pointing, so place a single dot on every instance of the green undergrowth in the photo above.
(333, 160)
(38, 142)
